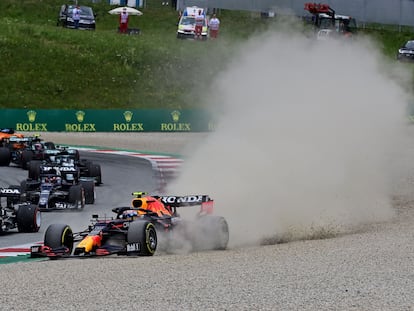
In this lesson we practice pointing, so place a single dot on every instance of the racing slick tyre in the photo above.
(212, 233)
(27, 156)
(95, 171)
(76, 196)
(5, 156)
(34, 169)
(142, 238)
(28, 218)
(59, 235)
(89, 191)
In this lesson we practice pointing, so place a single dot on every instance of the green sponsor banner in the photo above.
(113, 120)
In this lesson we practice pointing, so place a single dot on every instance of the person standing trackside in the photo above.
(123, 21)
(76, 16)
(214, 25)
(199, 21)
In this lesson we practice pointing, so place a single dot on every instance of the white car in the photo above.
(186, 25)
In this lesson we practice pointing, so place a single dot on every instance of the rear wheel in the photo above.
(143, 236)
(76, 196)
(89, 191)
(5, 156)
(95, 171)
(34, 169)
(28, 218)
(27, 156)
(212, 233)
(59, 235)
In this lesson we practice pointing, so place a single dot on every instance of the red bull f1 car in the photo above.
(137, 229)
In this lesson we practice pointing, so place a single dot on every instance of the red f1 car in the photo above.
(136, 229)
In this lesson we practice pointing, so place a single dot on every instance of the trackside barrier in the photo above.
(110, 120)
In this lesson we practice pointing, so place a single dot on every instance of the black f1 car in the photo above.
(58, 188)
(136, 229)
(64, 156)
(25, 217)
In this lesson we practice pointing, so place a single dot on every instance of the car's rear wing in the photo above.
(15, 139)
(9, 192)
(204, 201)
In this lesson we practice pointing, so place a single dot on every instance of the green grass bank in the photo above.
(44, 66)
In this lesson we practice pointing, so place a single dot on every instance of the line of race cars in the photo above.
(61, 180)
(57, 179)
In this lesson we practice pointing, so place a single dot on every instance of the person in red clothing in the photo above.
(123, 21)
(199, 21)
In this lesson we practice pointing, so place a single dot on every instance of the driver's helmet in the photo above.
(37, 146)
(55, 180)
(129, 214)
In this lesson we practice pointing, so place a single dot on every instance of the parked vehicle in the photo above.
(186, 25)
(87, 17)
(325, 17)
(406, 52)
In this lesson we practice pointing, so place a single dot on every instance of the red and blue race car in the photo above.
(137, 229)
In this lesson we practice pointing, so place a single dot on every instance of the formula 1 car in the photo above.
(21, 150)
(25, 217)
(58, 188)
(136, 229)
(64, 156)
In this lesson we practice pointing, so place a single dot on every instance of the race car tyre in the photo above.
(212, 233)
(34, 169)
(50, 145)
(28, 218)
(5, 156)
(77, 196)
(95, 171)
(89, 190)
(142, 233)
(59, 235)
(27, 156)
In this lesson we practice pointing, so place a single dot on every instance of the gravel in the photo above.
(369, 269)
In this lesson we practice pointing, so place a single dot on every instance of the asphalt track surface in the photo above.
(121, 175)
(370, 269)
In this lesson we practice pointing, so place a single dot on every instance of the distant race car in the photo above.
(136, 229)
(58, 188)
(20, 150)
(68, 157)
(24, 217)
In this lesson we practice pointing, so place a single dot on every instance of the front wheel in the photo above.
(58, 236)
(141, 238)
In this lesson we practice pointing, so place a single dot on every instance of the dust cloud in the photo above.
(306, 134)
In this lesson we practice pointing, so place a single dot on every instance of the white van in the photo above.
(186, 25)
